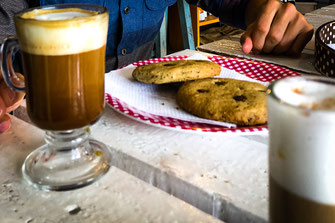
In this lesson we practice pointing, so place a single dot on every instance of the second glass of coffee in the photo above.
(301, 114)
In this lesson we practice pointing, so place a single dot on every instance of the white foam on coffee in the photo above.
(302, 142)
(62, 16)
(299, 91)
(62, 33)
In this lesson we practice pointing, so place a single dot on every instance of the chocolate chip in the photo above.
(240, 98)
(202, 91)
(169, 65)
(220, 83)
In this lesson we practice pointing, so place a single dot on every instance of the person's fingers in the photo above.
(16, 103)
(8, 95)
(297, 27)
(279, 27)
(1, 77)
(10, 98)
(5, 123)
(246, 40)
(302, 39)
(3, 108)
(287, 40)
(247, 45)
(263, 23)
(17, 80)
(285, 44)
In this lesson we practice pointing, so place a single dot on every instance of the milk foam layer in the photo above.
(302, 142)
(299, 91)
(61, 31)
(62, 16)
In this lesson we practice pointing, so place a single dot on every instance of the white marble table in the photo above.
(117, 197)
(224, 175)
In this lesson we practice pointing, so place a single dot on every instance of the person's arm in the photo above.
(271, 26)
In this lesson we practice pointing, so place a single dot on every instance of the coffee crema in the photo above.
(63, 53)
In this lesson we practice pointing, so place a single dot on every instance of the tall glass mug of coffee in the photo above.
(301, 124)
(63, 54)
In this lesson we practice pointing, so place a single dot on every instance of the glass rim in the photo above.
(97, 8)
(271, 94)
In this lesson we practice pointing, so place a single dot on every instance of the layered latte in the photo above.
(302, 150)
(63, 54)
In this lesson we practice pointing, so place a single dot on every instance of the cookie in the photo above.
(176, 71)
(227, 100)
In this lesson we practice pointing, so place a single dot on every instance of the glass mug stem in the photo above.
(64, 84)
(67, 140)
(67, 153)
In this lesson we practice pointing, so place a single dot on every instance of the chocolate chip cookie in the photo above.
(227, 100)
(176, 71)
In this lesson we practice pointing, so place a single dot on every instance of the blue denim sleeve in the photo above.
(230, 12)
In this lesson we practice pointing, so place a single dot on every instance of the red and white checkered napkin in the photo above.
(156, 104)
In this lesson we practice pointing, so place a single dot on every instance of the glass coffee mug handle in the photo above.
(9, 47)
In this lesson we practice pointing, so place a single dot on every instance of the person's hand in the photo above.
(9, 101)
(275, 27)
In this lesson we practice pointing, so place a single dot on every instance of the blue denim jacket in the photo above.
(133, 23)
(131, 27)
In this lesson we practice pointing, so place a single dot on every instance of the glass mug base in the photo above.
(69, 160)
